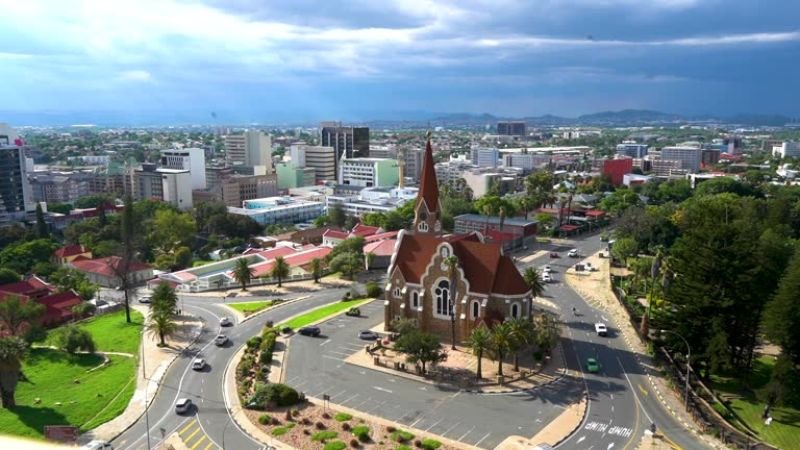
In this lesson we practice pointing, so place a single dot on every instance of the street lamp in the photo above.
(688, 367)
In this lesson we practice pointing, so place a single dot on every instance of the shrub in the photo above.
(264, 419)
(306, 421)
(354, 443)
(306, 432)
(275, 421)
(361, 432)
(430, 444)
(326, 415)
(265, 357)
(346, 426)
(335, 445)
(71, 339)
(280, 431)
(373, 290)
(342, 417)
(323, 436)
(320, 426)
(286, 330)
(254, 342)
(403, 447)
(402, 436)
(277, 394)
(391, 429)
(417, 443)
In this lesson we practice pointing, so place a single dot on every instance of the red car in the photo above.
(553, 255)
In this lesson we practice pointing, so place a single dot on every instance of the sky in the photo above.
(261, 61)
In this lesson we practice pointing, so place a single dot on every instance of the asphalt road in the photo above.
(209, 426)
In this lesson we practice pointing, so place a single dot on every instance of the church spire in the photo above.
(426, 210)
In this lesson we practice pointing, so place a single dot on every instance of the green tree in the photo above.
(349, 263)
(624, 248)
(42, 229)
(72, 339)
(171, 230)
(13, 350)
(622, 199)
(782, 314)
(242, 273)
(501, 343)
(16, 315)
(122, 270)
(8, 276)
(82, 310)
(421, 347)
(479, 341)
(22, 256)
(349, 245)
(161, 326)
(164, 301)
(67, 279)
(336, 215)
(280, 269)
(316, 269)
(321, 221)
(534, 281)
(523, 334)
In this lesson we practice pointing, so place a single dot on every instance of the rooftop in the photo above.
(495, 220)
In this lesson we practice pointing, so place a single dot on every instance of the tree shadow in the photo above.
(36, 418)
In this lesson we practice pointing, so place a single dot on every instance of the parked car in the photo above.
(312, 331)
(225, 322)
(368, 335)
(547, 269)
(145, 299)
(601, 329)
(353, 312)
(199, 364)
(183, 406)
(220, 340)
(604, 237)
(573, 253)
(589, 267)
(592, 366)
(554, 254)
(546, 277)
(97, 445)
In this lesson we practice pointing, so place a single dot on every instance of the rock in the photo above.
(58, 403)
(37, 401)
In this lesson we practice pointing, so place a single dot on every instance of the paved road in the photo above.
(209, 427)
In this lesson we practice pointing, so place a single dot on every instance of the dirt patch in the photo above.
(299, 426)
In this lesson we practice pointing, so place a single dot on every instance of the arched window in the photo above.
(441, 294)
(423, 226)
(396, 292)
(415, 299)
(476, 307)
(515, 310)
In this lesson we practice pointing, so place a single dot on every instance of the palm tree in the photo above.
(280, 269)
(369, 258)
(523, 332)
(501, 341)
(534, 281)
(546, 333)
(161, 326)
(164, 301)
(16, 314)
(479, 342)
(316, 269)
(242, 273)
(452, 265)
(13, 351)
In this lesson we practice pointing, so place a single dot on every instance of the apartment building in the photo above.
(191, 159)
(369, 172)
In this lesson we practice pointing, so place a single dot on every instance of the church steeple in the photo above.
(426, 211)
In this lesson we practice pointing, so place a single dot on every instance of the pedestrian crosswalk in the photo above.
(195, 438)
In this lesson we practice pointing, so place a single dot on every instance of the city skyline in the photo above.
(309, 60)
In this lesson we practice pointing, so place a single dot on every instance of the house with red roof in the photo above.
(69, 253)
(483, 286)
(58, 306)
(104, 271)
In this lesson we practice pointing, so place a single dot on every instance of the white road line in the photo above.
(331, 357)
(482, 439)
(416, 421)
(326, 342)
(610, 446)
(451, 428)
(340, 393)
(580, 439)
(437, 423)
(351, 398)
(636, 396)
(382, 389)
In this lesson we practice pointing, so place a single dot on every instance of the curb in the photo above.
(580, 423)
(287, 302)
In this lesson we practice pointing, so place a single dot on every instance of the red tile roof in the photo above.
(381, 248)
(364, 230)
(58, 307)
(275, 252)
(297, 259)
(105, 266)
(69, 250)
(380, 236)
(428, 186)
(335, 234)
(32, 287)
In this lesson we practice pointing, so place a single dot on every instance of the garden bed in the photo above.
(250, 308)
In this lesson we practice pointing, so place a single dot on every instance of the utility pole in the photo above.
(146, 400)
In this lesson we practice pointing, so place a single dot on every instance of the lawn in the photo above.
(748, 405)
(248, 308)
(98, 396)
(321, 313)
(112, 334)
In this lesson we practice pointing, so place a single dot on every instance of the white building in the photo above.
(251, 148)
(450, 171)
(321, 159)
(787, 150)
(632, 150)
(690, 157)
(191, 159)
(272, 210)
(485, 157)
(176, 187)
(369, 172)
(525, 161)
(92, 160)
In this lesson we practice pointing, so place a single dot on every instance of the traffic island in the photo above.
(554, 433)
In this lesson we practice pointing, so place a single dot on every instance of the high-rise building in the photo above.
(689, 156)
(191, 159)
(511, 128)
(176, 187)
(251, 148)
(15, 194)
(369, 172)
(352, 142)
(290, 176)
(632, 150)
(146, 183)
(321, 159)
(485, 157)
(526, 161)
(787, 150)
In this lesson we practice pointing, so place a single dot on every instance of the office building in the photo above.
(145, 183)
(290, 177)
(321, 159)
(632, 150)
(272, 210)
(709, 156)
(616, 169)
(15, 194)
(347, 142)
(483, 182)
(525, 161)
(191, 159)
(176, 187)
(251, 148)
(410, 157)
(787, 150)
(511, 128)
(369, 172)
(233, 189)
(485, 157)
(60, 187)
(689, 156)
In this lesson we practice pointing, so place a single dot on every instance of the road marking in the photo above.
(633, 390)
(620, 431)
(581, 439)
(210, 444)
(610, 446)
(349, 399)
(437, 423)
(199, 441)
(451, 428)
(187, 427)
(189, 438)
(416, 421)
(326, 342)
(482, 439)
(382, 389)
(332, 357)
(644, 391)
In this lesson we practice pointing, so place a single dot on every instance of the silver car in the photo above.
(183, 405)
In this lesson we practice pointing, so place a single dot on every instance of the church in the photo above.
(436, 278)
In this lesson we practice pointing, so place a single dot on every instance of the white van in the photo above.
(97, 445)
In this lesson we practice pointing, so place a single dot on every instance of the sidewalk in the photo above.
(556, 431)
(595, 288)
(157, 361)
(288, 289)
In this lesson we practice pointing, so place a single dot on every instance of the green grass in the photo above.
(112, 334)
(323, 436)
(248, 308)
(335, 445)
(320, 313)
(51, 375)
(342, 417)
(401, 436)
(280, 431)
(784, 432)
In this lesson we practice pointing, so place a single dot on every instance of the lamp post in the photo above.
(146, 402)
(688, 367)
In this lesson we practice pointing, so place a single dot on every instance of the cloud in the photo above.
(135, 75)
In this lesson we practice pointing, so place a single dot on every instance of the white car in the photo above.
(183, 405)
(546, 269)
(546, 277)
(220, 340)
(97, 445)
(601, 329)
(225, 322)
(199, 364)
(573, 253)
(145, 299)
